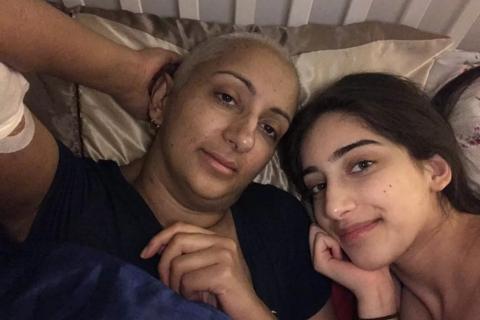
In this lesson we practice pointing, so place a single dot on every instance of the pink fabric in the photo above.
(343, 302)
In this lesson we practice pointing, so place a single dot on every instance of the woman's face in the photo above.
(222, 127)
(367, 192)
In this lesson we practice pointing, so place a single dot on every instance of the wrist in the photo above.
(127, 75)
(377, 303)
(254, 309)
(393, 316)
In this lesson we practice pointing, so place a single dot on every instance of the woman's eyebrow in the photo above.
(253, 91)
(245, 81)
(340, 152)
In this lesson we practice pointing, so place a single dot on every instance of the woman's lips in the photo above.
(220, 163)
(352, 233)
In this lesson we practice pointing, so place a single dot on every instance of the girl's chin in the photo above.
(368, 263)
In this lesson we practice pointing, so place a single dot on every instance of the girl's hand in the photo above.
(198, 263)
(374, 290)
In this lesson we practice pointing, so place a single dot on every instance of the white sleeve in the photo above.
(13, 87)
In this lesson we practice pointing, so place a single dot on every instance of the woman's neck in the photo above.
(441, 264)
(165, 206)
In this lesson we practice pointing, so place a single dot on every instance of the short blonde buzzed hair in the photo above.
(214, 47)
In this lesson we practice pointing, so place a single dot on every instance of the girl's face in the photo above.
(367, 192)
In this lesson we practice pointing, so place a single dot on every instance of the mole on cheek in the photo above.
(385, 191)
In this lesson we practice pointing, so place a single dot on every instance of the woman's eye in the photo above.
(225, 98)
(269, 131)
(362, 166)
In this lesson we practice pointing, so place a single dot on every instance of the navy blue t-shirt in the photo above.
(90, 203)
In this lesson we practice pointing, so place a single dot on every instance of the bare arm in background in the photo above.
(36, 37)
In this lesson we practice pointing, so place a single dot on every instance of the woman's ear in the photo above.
(439, 172)
(158, 99)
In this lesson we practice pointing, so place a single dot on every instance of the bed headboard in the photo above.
(457, 18)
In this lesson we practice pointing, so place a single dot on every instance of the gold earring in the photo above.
(155, 125)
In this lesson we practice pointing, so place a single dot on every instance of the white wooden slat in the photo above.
(357, 11)
(245, 11)
(189, 9)
(414, 12)
(132, 5)
(299, 12)
(465, 20)
(73, 3)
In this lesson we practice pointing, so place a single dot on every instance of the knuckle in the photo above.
(225, 274)
(231, 245)
(226, 256)
(178, 226)
(177, 239)
(176, 264)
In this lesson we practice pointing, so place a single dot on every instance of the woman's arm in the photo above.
(37, 37)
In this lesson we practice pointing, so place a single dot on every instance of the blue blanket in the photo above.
(44, 281)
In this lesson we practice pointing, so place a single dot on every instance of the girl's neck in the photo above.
(442, 263)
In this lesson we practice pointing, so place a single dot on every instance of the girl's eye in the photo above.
(362, 166)
(225, 98)
(269, 131)
(315, 190)
(318, 188)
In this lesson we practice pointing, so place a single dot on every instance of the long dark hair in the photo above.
(447, 97)
(396, 109)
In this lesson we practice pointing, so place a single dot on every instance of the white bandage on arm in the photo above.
(13, 87)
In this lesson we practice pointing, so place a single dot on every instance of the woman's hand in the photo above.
(197, 263)
(374, 290)
(133, 82)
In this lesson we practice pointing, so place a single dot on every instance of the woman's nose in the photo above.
(241, 134)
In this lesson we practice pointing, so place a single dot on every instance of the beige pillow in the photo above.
(322, 54)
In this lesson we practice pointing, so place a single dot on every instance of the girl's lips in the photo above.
(356, 231)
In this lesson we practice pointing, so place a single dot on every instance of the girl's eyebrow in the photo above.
(340, 152)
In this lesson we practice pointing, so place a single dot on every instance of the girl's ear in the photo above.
(439, 172)
(159, 94)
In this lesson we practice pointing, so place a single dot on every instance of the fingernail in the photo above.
(144, 252)
(162, 247)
